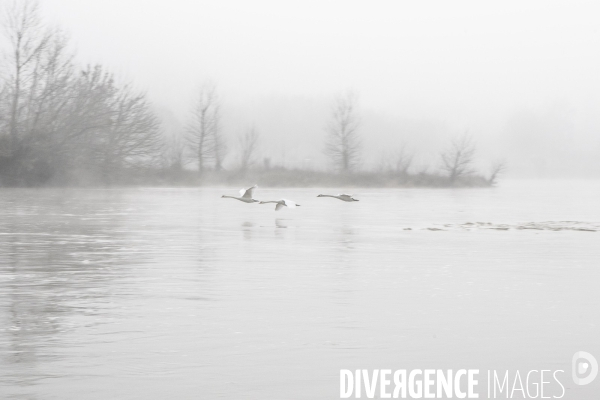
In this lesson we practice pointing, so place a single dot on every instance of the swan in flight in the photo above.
(246, 195)
(343, 197)
(281, 203)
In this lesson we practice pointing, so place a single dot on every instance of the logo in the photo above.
(464, 383)
(585, 368)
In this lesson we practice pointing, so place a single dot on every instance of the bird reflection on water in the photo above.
(280, 223)
(247, 229)
(144, 291)
(346, 236)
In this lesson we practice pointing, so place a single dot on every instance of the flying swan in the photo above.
(281, 203)
(343, 197)
(246, 195)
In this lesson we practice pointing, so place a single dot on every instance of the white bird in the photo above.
(343, 197)
(246, 195)
(281, 203)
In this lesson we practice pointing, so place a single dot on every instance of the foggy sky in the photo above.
(521, 77)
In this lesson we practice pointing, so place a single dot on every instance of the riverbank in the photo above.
(271, 177)
(282, 177)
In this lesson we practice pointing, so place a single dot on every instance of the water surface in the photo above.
(176, 293)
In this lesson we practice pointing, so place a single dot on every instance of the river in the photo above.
(155, 293)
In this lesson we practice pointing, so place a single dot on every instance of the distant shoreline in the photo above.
(273, 177)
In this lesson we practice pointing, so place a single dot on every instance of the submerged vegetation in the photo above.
(66, 124)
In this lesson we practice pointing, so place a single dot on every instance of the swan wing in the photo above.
(345, 195)
(247, 193)
(289, 203)
(278, 207)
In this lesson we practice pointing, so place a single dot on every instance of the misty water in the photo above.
(177, 293)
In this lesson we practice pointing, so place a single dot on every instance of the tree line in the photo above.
(58, 119)
(67, 124)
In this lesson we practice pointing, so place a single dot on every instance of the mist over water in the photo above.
(521, 78)
(154, 293)
(124, 274)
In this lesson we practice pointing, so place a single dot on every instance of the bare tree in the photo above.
(403, 159)
(56, 119)
(343, 142)
(203, 129)
(173, 154)
(28, 38)
(497, 168)
(38, 84)
(133, 137)
(398, 162)
(248, 143)
(457, 159)
(219, 142)
(384, 165)
(44, 118)
(88, 112)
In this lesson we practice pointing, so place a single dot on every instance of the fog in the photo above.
(519, 77)
(419, 193)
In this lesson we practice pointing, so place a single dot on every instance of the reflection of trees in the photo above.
(60, 256)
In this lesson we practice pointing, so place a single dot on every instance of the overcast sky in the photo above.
(477, 66)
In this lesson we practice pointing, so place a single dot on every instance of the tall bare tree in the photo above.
(403, 159)
(173, 152)
(458, 158)
(38, 77)
(203, 128)
(220, 148)
(44, 119)
(248, 143)
(343, 142)
(28, 38)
